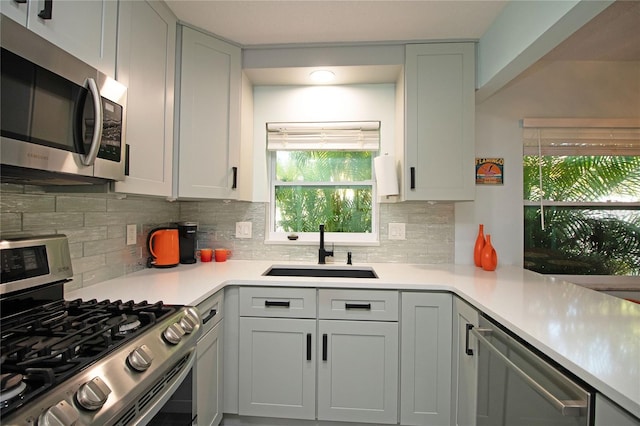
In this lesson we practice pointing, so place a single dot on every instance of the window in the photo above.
(582, 200)
(322, 173)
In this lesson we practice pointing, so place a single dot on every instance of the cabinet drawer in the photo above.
(211, 311)
(278, 302)
(358, 305)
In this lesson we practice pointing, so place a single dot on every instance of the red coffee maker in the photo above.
(164, 247)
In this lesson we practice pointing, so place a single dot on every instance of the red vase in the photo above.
(489, 257)
(477, 250)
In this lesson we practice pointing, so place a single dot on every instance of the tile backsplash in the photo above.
(95, 223)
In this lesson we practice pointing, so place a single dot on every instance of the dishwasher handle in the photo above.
(568, 408)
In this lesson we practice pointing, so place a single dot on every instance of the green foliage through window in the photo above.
(591, 216)
(334, 188)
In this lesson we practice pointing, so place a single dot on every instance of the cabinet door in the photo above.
(608, 413)
(146, 65)
(425, 397)
(209, 117)
(209, 377)
(358, 371)
(465, 366)
(14, 10)
(86, 29)
(277, 367)
(440, 108)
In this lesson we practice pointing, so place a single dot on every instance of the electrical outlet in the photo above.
(396, 231)
(131, 234)
(243, 229)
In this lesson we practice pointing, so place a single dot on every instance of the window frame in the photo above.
(313, 238)
(587, 137)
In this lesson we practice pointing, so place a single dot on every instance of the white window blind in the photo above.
(324, 136)
(560, 137)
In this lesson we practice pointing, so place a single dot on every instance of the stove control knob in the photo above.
(61, 414)
(140, 358)
(190, 320)
(93, 394)
(173, 334)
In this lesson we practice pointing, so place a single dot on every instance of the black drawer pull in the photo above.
(412, 170)
(212, 313)
(46, 13)
(277, 303)
(324, 347)
(364, 306)
(308, 346)
(467, 349)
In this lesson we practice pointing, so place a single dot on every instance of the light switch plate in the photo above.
(243, 229)
(396, 231)
(131, 234)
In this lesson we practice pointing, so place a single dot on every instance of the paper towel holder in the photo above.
(386, 175)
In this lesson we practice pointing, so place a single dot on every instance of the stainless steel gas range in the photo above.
(81, 362)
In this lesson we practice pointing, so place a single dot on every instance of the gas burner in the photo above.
(125, 323)
(11, 386)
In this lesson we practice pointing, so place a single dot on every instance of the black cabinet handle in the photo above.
(308, 346)
(467, 349)
(127, 153)
(365, 306)
(47, 12)
(412, 170)
(20, 1)
(324, 347)
(212, 313)
(276, 303)
(234, 185)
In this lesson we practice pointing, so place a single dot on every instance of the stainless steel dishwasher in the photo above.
(517, 386)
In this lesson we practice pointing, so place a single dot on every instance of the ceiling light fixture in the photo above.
(322, 76)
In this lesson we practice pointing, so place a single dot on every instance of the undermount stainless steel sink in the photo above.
(319, 271)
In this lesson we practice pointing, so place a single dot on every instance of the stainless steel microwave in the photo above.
(61, 120)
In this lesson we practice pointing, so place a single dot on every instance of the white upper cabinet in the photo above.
(439, 129)
(146, 65)
(86, 29)
(209, 117)
(14, 10)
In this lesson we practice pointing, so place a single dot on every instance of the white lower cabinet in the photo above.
(277, 367)
(465, 366)
(209, 371)
(209, 364)
(276, 360)
(425, 394)
(358, 356)
(609, 413)
(358, 371)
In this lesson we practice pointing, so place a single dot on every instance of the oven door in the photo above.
(173, 401)
(518, 387)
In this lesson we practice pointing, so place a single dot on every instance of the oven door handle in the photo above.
(569, 408)
(153, 409)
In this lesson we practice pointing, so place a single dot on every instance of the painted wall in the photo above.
(581, 89)
(318, 103)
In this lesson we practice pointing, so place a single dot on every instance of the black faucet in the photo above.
(322, 253)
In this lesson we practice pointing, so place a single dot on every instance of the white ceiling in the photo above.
(612, 35)
(255, 23)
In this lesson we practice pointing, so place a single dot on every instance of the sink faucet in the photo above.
(322, 253)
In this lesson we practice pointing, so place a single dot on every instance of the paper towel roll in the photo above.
(386, 175)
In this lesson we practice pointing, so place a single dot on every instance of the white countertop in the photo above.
(593, 335)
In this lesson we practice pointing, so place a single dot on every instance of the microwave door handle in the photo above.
(90, 157)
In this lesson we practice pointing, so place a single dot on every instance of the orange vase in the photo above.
(477, 250)
(489, 257)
